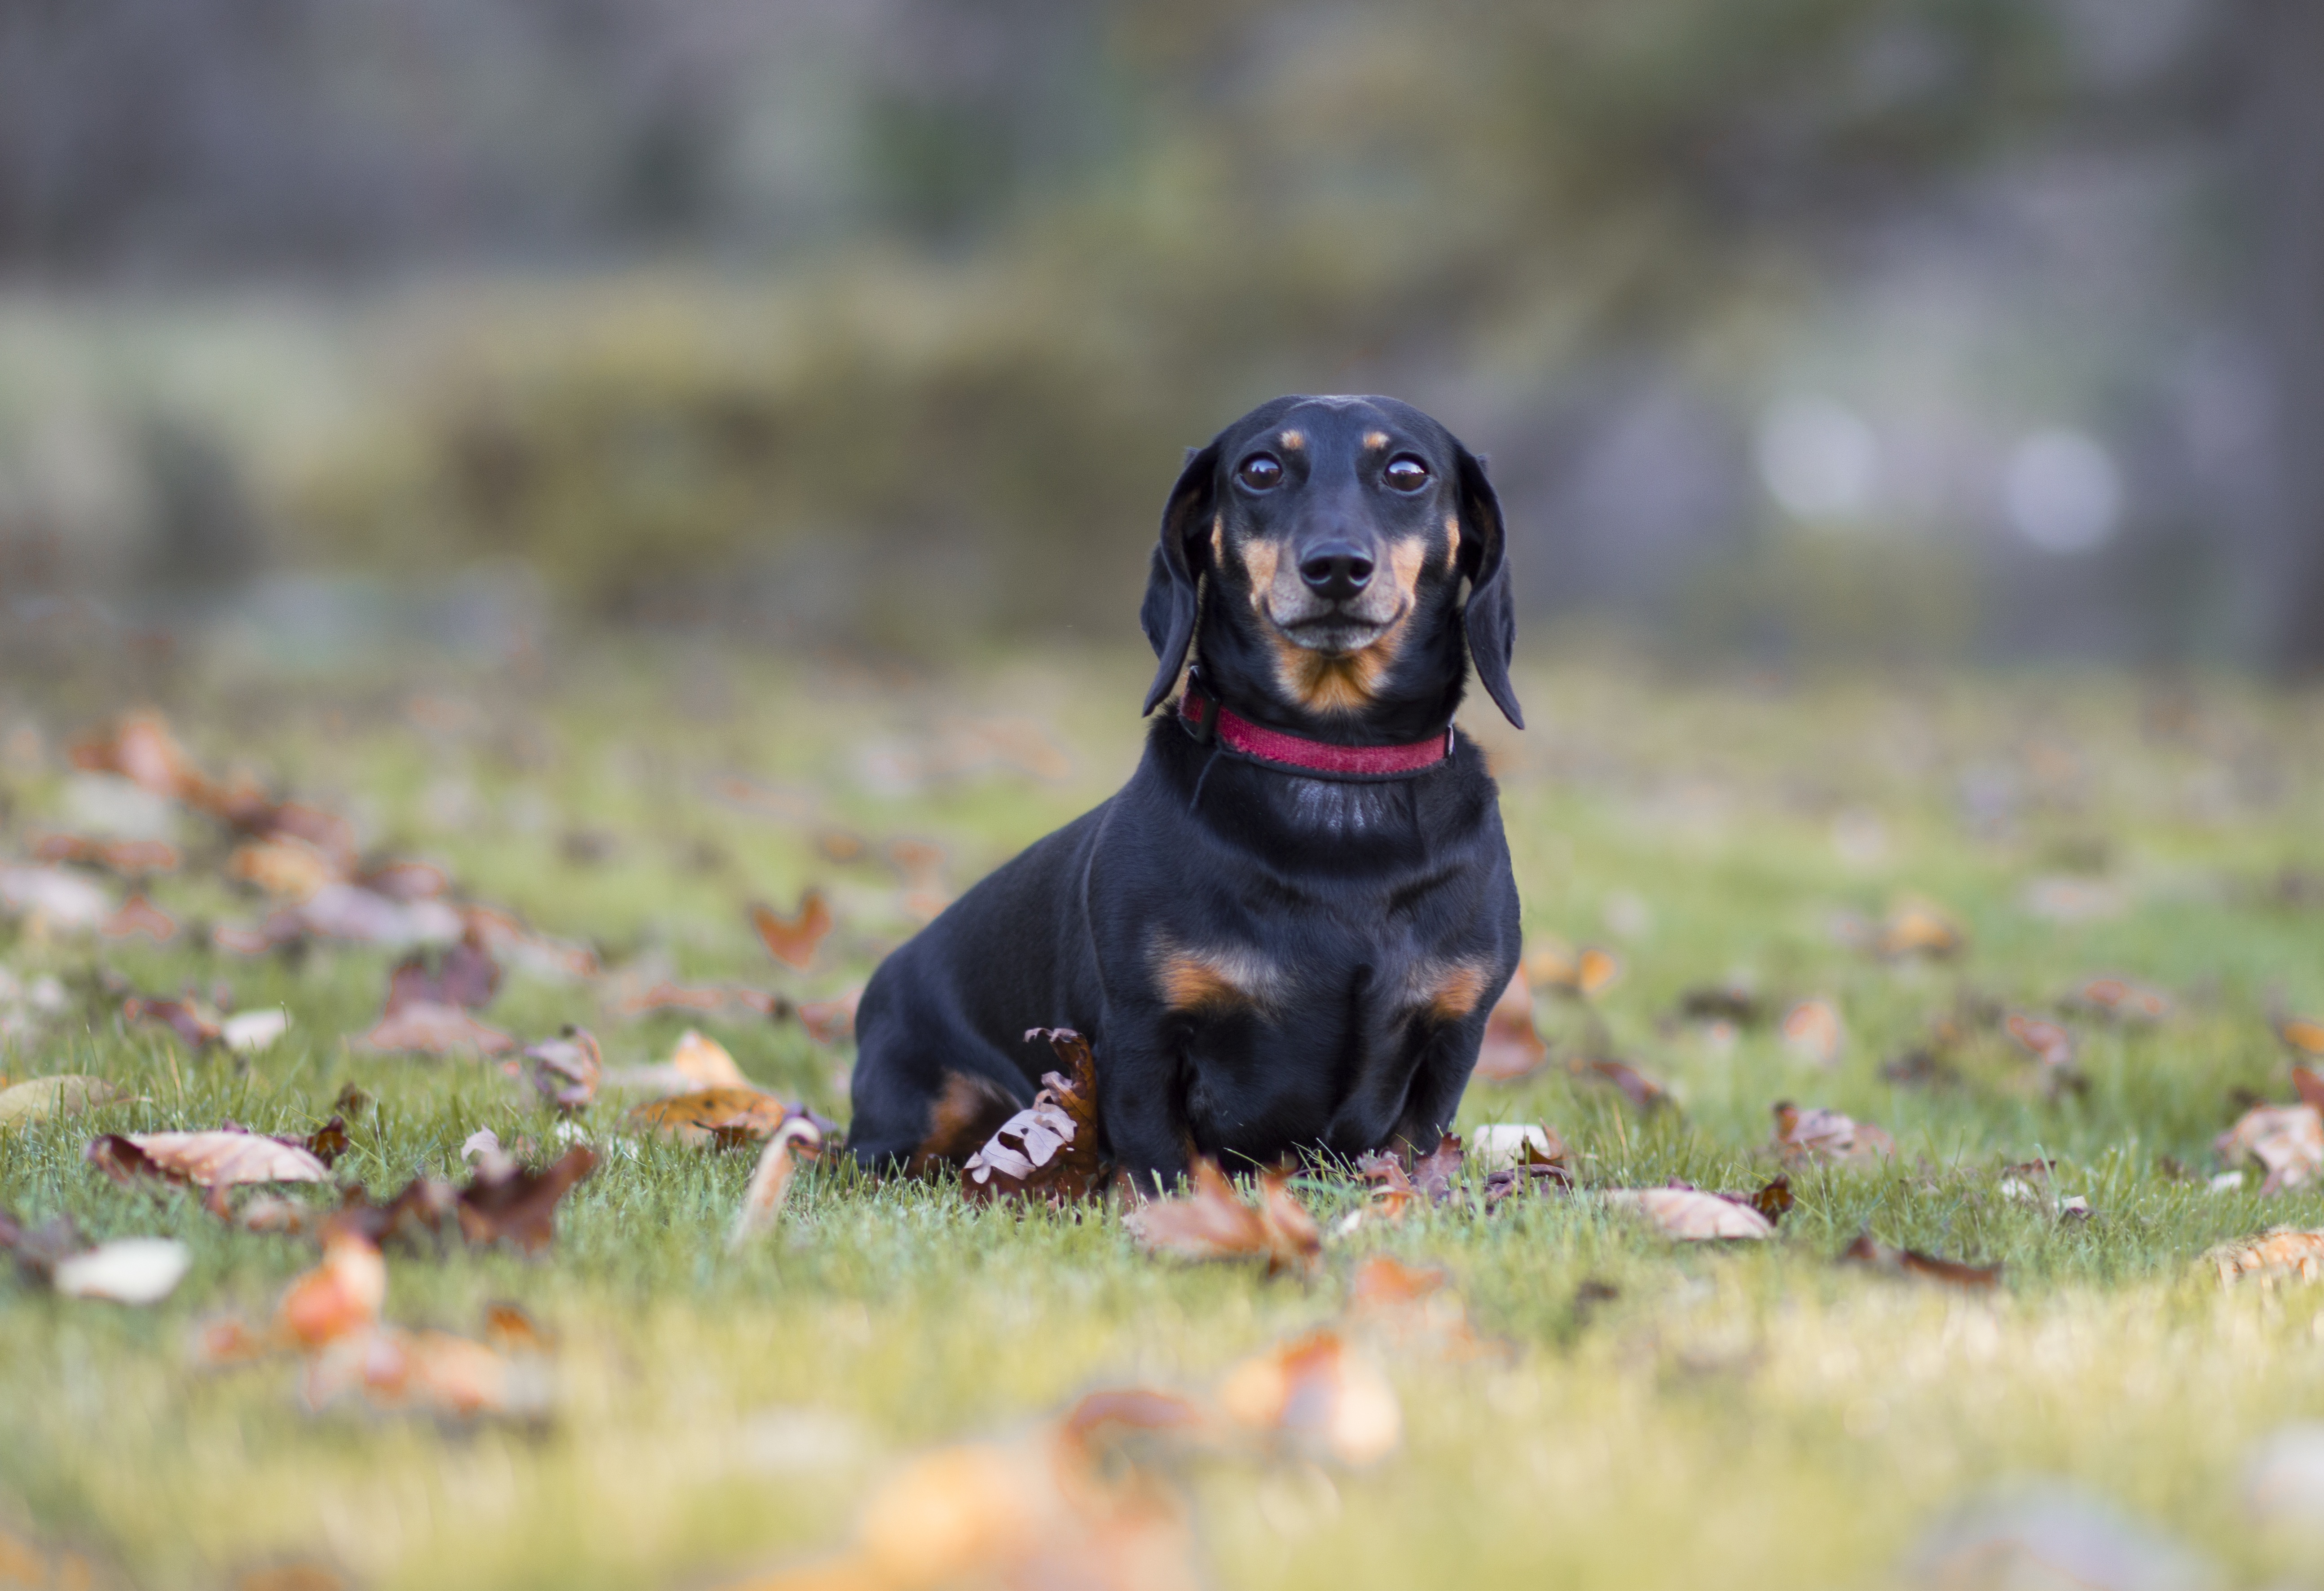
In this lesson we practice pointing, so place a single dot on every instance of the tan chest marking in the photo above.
(1213, 978)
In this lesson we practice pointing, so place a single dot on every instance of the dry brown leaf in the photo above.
(2287, 1140)
(1212, 1223)
(2046, 1040)
(723, 1116)
(1319, 1396)
(427, 1029)
(635, 999)
(1905, 1262)
(1691, 1214)
(520, 1204)
(1049, 1149)
(1512, 1048)
(426, 1372)
(1391, 1191)
(129, 858)
(221, 1158)
(2122, 999)
(762, 1202)
(1813, 1031)
(463, 975)
(792, 940)
(1826, 1134)
(196, 1024)
(705, 1062)
(342, 1295)
(37, 1098)
(831, 1021)
(566, 1070)
(2302, 1035)
(1435, 1172)
(283, 867)
(1637, 1087)
(140, 918)
(2277, 1253)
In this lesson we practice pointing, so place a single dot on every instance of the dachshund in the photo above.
(1283, 936)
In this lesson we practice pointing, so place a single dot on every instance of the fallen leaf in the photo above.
(2308, 1086)
(504, 937)
(707, 999)
(1532, 1172)
(2122, 1001)
(1391, 1190)
(1905, 1262)
(705, 1062)
(250, 1033)
(283, 867)
(139, 916)
(792, 940)
(2046, 1040)
(762, 1201)
(400, 878)
(566, 1070)
(2287, 1140)
(1585, 973)
(428, 1372)
(328, 1142)
(1827, 1135)
(1512, 1047)
(1722, 1002)
(1213, 1223)
(2278, 1252)
(220, 1158)
(1775, 1199)
(128, 1269)
(1048, 1150)
(342, 1295)
(1919, 928)
(39, 1097)
(194, 1023)
(1503, 1144)
(2302, 1035)
(1637, 1087)
(726, 1117)
(463, 975)
(1413, 1308)
(427, 1029)
(510, 1330)
(518, 1204)
(38, 1250)
(1434, 1172)
(1813, 1031)
(1691, 1214)
(129, 858)
(1319, 1396)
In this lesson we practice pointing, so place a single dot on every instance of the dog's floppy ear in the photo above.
(1167, 615)
(1490, 616)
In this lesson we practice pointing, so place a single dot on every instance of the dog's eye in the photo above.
(1259, 471)
(1406, 472)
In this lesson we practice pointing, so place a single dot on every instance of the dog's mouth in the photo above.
(1333, 632)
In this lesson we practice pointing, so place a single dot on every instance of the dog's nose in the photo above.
(1336, 570)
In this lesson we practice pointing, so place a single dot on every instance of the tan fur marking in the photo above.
(1260, 558)
(1218, 541)
(1456, 991)
(1452, 543)
(968, 1111)
(1375, 440)
(1347, 681)
(1192, 980)
(1295, 440)
(1405, 556)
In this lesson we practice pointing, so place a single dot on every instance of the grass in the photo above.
(1743, 1416)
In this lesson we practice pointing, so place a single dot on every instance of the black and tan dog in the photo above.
(1284, 933)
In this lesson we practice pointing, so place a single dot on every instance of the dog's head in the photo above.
(1320, 545)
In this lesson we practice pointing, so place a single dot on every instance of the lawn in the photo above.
(1625, 1411)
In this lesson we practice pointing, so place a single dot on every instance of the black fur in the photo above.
(1360, 927)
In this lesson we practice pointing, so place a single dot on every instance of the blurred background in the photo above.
(1801, 332)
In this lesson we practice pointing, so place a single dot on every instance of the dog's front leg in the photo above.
(1433, 1099)
(1141, 1098)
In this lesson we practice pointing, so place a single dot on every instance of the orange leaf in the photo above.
(705, 1062)
(724, 1115)
(792, 940)
(1812, 1030)
(342, 1295)
(1212, 1223)
(1318, 1394)
(2287, 1140)
(137, 917)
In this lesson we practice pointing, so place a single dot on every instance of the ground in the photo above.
(1646, 1414)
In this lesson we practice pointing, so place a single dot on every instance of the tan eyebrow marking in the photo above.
(1293, 439)
(1375, 440)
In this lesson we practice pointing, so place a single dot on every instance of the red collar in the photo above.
(1205, 718)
